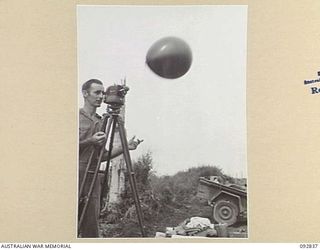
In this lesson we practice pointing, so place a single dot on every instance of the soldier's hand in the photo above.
(133, 144)
(98, 138)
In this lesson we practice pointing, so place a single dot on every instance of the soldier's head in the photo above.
(93, 91)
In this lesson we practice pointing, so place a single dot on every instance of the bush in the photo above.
(165, 200)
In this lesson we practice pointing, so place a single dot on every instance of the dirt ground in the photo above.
(125, 228)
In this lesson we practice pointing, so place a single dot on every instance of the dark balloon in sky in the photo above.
(169, 57)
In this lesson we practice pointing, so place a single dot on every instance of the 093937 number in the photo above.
(308, 245)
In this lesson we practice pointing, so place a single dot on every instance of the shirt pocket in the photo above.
(84, 129)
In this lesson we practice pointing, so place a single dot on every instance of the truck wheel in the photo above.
(225, 212)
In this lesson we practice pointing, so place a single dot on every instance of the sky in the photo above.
(197, 119)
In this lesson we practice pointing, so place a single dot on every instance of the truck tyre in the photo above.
(225, 212)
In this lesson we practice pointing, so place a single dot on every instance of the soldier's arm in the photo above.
(132, 145)
(97, 139)
(114, 153)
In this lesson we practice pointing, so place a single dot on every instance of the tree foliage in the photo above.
(182, 187)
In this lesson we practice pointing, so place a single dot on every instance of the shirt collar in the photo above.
(88, 116)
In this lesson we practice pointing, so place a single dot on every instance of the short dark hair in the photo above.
(88, 83)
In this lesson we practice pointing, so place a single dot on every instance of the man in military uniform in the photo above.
(89, 137)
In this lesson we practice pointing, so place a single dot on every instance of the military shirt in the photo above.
(88, 126)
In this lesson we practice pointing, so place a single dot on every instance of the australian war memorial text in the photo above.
(34, 245)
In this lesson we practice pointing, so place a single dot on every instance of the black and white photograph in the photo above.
(162, 121)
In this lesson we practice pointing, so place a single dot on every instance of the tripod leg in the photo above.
(106, 171)
(85, 174)
(88, 196)
(103, 127)
(132, 179)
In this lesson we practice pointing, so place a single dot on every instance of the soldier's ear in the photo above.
(85, 93)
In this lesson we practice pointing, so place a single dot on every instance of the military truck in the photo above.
(229, 201)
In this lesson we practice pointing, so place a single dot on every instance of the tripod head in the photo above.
(115, 97)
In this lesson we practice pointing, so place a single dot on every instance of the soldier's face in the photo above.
(94, 95)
